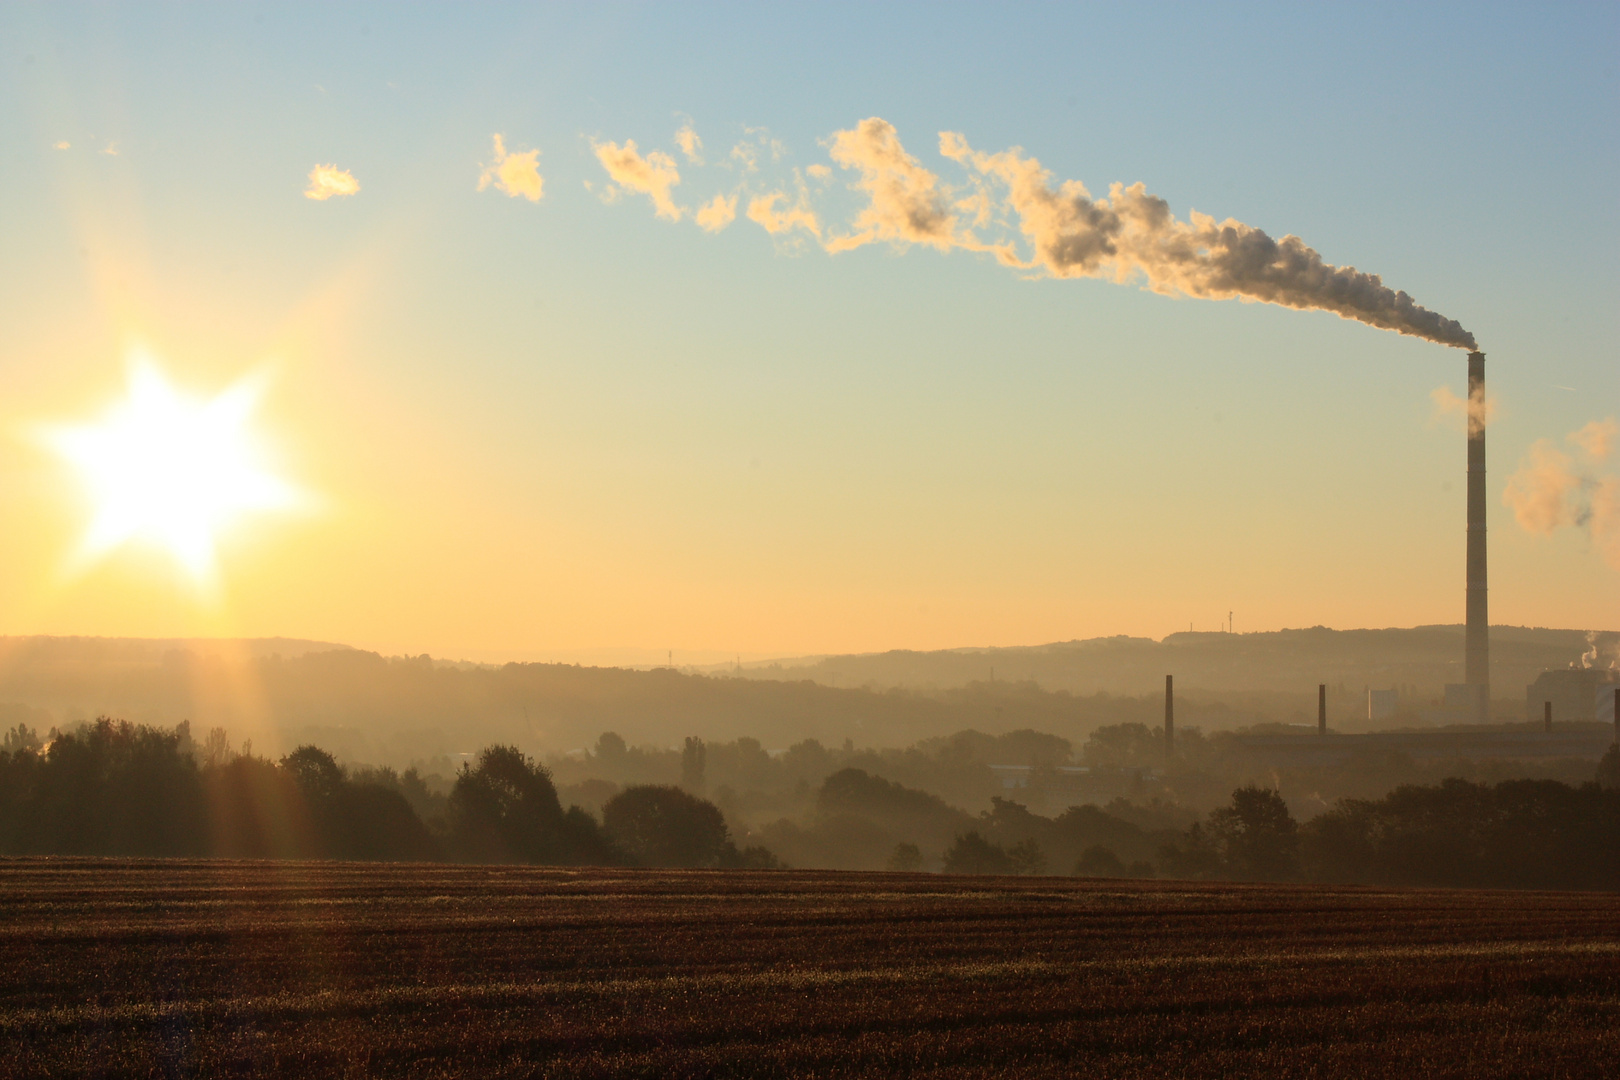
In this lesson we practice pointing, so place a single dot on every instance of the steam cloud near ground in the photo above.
(1554, 488)
(1009, 206)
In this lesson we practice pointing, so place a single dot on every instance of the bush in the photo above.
(906, 859)
(506, 810)
(1256, 836)
(1517, 834)
(1608, 770)
(973, 854)
(1027, 857)
(1099, 861)
(658, 825)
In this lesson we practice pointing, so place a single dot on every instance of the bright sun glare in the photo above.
(164, 468)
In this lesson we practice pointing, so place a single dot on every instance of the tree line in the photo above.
(1525, 834)
(115, 788)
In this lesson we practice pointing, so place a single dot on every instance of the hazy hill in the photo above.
(1289, 662)
(368, 708)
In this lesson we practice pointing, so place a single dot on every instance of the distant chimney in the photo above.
(1546, 716)
(1617, 716)
(1169, 716)
(1321, 708)
(1477, 642)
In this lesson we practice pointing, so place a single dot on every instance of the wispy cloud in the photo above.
(653, 175)
(797, 215)
(516, 174)
(691, 145)
(1554, 489)
(325, 181)
(757, 143)
(63, 145)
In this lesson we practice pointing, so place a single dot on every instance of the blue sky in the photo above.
(554, 427)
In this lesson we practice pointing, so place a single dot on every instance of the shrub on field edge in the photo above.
(662, 825)
(506, 810)
(971, 853)
(906, 858)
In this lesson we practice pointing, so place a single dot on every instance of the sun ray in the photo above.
(170, 470)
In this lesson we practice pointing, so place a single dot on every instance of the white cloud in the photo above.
(691, 146)
(717, 213)
(653, 175)
(762, 210)
(516, 174)
(325, 181)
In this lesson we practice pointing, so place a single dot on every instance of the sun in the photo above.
(171, 470)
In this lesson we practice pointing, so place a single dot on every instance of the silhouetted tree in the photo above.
(1517, 834)
(20, 738)
(657, 825)
(1027, 857)
(1194, 855)
(257, 811)
(506, 810)
(973, 854)
(1099, 861)
(1608, 770)
(112, 789)
(315, 772)
(907, 858)
(692, 755)
(1257, 837)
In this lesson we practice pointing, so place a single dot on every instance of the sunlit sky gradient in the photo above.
(560, 426)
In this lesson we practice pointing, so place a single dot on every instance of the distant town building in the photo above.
(1463, 699)
(1575, 693)
(1382, 704)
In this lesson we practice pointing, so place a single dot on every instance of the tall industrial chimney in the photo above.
(1169, 716)
(1477, 642)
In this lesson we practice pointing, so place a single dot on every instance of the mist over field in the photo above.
(380, 710)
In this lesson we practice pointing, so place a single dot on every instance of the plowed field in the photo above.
(130, 968)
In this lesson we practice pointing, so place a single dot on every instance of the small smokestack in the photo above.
(1321, 708)
(1546, 716)
(1617, 716)
(1477, 639)
(1169, 716)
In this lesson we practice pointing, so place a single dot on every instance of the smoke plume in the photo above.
(1132, 234)
(1476, 409)
(1009, 206)
(1553, 489)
